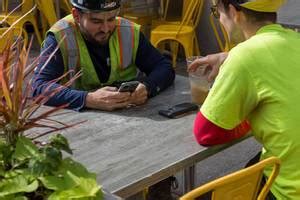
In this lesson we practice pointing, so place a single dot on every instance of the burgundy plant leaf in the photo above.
(17, 108)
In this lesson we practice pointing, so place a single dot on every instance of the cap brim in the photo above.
(264, 5)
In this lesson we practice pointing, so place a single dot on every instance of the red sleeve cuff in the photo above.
(207, 133)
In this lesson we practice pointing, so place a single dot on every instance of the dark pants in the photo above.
(162, 189)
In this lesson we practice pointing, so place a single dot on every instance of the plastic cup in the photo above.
(198, 82)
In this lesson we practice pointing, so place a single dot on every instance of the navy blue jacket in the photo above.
(158, 70)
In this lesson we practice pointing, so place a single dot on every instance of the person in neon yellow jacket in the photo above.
(108, 50)
(257, 82)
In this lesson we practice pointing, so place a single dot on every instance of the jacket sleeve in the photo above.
(159, 71)
(47, 72)
(207, 133)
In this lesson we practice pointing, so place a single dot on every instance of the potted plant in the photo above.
(29, 168)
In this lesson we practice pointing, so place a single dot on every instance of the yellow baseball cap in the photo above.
(263, 5)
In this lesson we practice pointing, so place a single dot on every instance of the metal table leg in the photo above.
(188, 179)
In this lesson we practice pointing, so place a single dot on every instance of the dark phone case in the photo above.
(178, 110)
(128, 86)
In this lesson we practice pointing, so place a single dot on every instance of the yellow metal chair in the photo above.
(14, 33)
(183, 33)
(66, 6)
(244, 184)
(223, 41)
(11, 17)
(165, 19)
(4, 7)
(47, 9)
(48, 14)
(163, 14)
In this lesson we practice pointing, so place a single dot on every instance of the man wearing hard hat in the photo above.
(257, 86)
(108, 50)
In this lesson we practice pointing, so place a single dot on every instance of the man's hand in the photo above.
(107, 98)
(213, 61)
(140, 95)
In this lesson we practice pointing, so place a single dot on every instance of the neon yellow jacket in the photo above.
(123, 45)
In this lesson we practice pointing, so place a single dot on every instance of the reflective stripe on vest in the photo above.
(125, 52)
(123, 45)
(70, 45)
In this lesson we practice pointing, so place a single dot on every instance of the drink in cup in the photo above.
(198, 82)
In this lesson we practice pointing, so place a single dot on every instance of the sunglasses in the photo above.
(215, 12)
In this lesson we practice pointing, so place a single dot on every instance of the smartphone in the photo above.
(129, 86)
(179, 110)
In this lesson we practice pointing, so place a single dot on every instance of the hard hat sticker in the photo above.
(108, 5)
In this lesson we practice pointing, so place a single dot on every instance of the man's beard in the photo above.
(93, 39)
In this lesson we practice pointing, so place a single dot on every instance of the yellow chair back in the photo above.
(23, 5)
(182, 32)
(52, 12)
(6, 34)
(27, 5)
(66, 6)
(192, 14)
(243, 184)
(47, 9)
(188, 7)
(4, 7)
(164, 7)
(186, 4)
(223, 41)
(18, 18)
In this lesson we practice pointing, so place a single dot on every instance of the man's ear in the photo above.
(76, 15)
(234, 14)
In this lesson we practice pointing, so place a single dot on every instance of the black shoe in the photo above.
(162, 189)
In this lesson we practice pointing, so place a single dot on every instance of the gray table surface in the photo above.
(108, 196)
(134, 148)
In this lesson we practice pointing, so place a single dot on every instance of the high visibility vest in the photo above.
(123, 45)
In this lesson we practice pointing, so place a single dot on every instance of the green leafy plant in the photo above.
(29, 168)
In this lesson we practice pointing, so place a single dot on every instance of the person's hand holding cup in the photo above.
(198, 81)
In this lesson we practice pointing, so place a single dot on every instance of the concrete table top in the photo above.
(134, 148)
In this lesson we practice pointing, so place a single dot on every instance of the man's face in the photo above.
(233, 29)
(97, 27)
